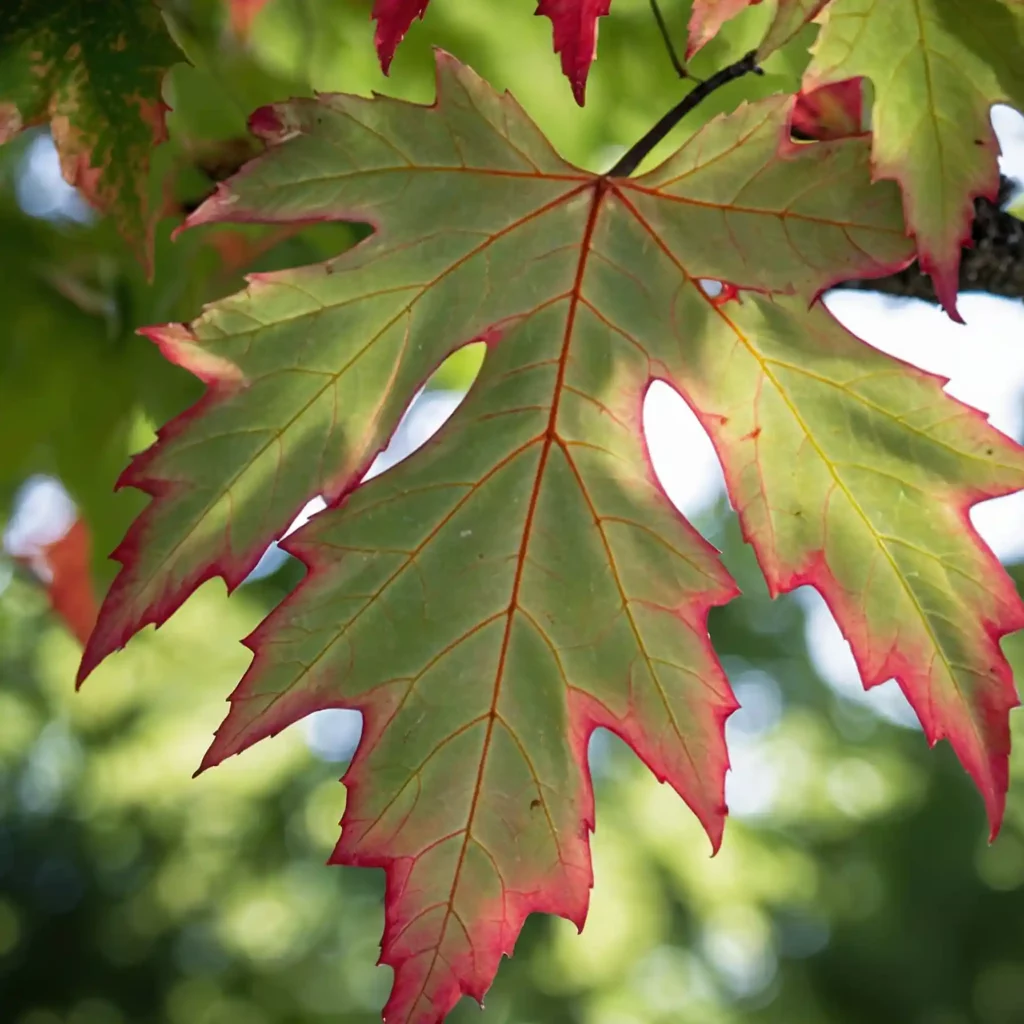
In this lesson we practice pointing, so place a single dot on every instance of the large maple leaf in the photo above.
(523, 579)
(93, 71)
(937, 67)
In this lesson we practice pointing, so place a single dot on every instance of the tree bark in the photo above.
(995, 263)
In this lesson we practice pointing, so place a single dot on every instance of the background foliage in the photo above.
(130, 893)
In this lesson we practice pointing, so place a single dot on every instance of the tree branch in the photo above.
(630, 160)
(994, 265)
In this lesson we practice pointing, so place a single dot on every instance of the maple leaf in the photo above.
(937, 68)
(93, 71)
(522, 579)
(854, 472)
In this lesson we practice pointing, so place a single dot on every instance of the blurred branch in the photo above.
(994, 265)
(666, 38)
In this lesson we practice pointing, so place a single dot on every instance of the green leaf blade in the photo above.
(745, 187)
(310, 370)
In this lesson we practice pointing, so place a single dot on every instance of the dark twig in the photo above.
(994, 263)
(630, 160)
(667, 39)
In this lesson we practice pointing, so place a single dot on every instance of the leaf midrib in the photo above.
(550, 439)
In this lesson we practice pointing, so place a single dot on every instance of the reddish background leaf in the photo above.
(243, 14)
(93, 71)
(832, 112)
(574, 23)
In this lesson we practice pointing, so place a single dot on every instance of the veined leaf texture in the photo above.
(522, 579)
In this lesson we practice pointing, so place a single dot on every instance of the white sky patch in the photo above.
(425, 416)
(1009, 127)
(43, 513)
(334, 734)
(984, 361)
(684, 458)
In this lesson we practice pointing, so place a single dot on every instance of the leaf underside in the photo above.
(937, 67)
(93, 72)
(522, 579)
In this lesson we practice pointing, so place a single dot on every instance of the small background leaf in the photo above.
(93, 72)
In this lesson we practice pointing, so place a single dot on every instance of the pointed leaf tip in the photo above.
(394, 18)
(574, 25)
(180, 346)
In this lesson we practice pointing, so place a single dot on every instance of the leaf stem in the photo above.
(630, 160)
(667, 40)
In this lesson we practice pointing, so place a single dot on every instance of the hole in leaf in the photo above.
(710, 287)
(432, 406)
(332, 735)
(681, 452)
